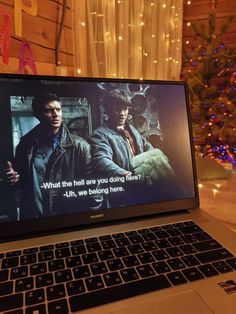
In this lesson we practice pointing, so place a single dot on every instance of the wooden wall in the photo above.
(40, 32)
(198, 10)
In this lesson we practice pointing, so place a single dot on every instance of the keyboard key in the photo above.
(130, 261)
(34, 297)
(45, 256)
(145, 271)
(38, 309)
(232, 262)
(63, 275)
(62, 245)
(75, 287)
(190, 229)
(6, 288)
(146, 258)
(149, 236)
(161, 267)
(176, 241)
(13, 253)
(90, 258)
(4, 275)
(188, 238)
(212, 256)
(163, 243)
(115, 264)
(105, 237)
(118, 235)
(149, 246)
(30, 250)
(108, 244)
(24, 284)
(135, 239)
(206, 245)
(64, 252)
(129, 274)
(19, 272)
(176, 263)
(173, 232)
(94, 247)
(122, 242)
(81, 272)
(55, 292)
(112, 279)
(73, 261)
(79, 249)
(28, 259)
(105, 255)
(135, 249)
(222, 267)
(202, 236)
(188, 249)
(174, 251)
(118, 292)
(190, 260)
(208, 270)
(49, 247)
(98, 268)
(44, 280)
(11, 302)
(162, 234)
(38, 269)
(94, 283)
(10, 262)
(176, 278)
(91, 240)
(56, 265)
(192, 274)
(120, 252)
(58, 307)
(76, 242)
(160, 255)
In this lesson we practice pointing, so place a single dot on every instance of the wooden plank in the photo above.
(49, 10)
(46, 55)
(200, 8)
(43, 32)
(42, 68)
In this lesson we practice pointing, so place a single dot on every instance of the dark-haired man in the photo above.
(115, 143)
(48, 153)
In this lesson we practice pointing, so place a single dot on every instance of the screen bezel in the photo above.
(79, 220)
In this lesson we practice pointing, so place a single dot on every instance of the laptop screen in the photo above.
(79, 150)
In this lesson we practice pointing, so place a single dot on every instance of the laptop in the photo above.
(99, 206)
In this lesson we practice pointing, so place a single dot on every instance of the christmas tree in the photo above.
(209, 69)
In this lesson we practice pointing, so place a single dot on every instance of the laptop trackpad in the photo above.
(183, 302)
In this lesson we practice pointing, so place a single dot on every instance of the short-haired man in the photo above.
(115, 143)
(48, 153)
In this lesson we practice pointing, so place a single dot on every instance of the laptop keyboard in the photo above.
(71, 276)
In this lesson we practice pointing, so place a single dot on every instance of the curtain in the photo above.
(128, 38)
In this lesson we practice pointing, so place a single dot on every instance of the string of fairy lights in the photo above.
(141, 25)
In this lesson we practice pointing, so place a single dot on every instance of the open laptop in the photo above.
(110, 243)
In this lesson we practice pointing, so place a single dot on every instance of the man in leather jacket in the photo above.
(49, 154)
